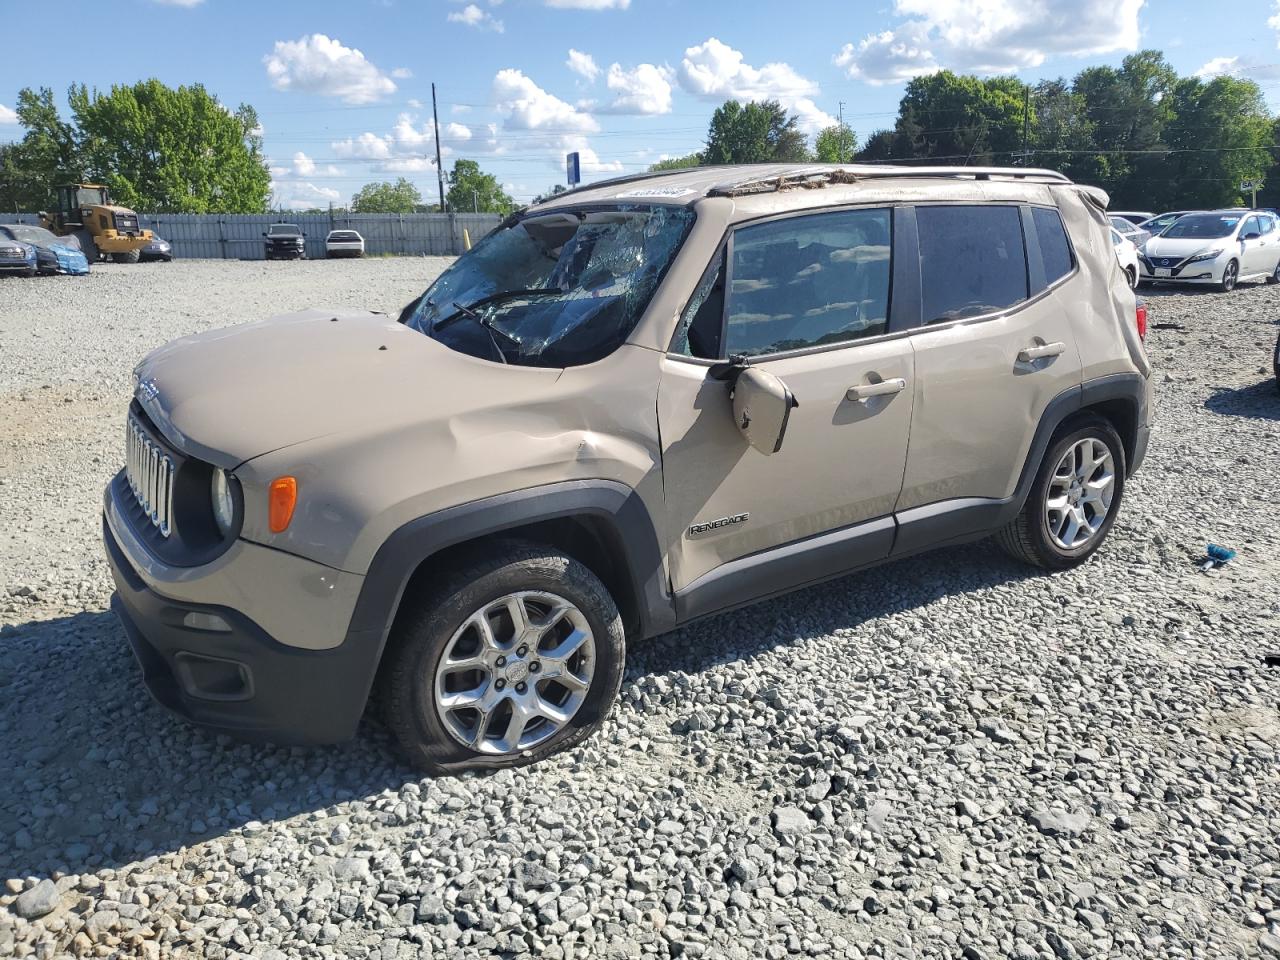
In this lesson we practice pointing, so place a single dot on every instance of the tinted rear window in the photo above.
(1055, 249)
(972, 260)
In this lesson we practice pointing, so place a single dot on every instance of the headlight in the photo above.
(1207, 255)
(224, 503)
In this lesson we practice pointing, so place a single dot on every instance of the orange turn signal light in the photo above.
(282, 497)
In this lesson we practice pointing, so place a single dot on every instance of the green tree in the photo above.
(49, 153)
(1219, 133)
(171, 150)
(473, 191)
(1064, 136)
(754, 133)
(382, 197)
(835, 144)
(961, 119)
(881, 147)
(553, 191)
(676, 163)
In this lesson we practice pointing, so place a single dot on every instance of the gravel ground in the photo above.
(947, 757)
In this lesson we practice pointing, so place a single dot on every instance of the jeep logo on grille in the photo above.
(710, 525)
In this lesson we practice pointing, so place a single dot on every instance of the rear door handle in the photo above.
(865, 391)
(1041, 351)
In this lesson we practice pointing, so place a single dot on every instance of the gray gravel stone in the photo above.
(36, 902)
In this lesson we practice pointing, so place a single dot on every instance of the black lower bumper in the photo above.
(239, 680)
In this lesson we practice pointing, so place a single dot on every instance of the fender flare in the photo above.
(632, 532)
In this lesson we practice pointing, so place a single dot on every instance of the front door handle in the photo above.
(865, 391)
(1041, 351)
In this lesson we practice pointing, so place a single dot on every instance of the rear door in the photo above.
(994, 347)
(808, 300)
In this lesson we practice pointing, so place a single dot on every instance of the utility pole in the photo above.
(435, 118)
(841, 148)
(475, 200)
(1026, 121)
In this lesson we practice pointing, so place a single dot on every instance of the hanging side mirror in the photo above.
(762, 405)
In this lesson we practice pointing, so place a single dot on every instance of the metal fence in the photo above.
(239, 236)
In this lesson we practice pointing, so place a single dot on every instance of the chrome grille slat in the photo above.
(149, 473)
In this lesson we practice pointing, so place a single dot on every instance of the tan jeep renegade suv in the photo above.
(639, 403)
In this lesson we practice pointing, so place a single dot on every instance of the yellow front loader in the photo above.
(86, 212)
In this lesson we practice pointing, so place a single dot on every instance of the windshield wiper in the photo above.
(488, 326)
(461, 310)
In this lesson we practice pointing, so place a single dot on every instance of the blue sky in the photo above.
(344, 88)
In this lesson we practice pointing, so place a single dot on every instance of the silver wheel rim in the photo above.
(1229, 276)
(1080, 493)
(515, 673)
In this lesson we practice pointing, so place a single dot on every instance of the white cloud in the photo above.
(644, 90)
(589, 4)
(460, 108)
(989, 36)
(179, 3)
(7, 115)
(304, 166)
(1274, 21)
(411, 147)
(402, 73)
(1220, 67)
(301, 195)
(527, 106)
(716, 71)
(318, 64)
(416, 104)
(583, 64)
(472, 16)
(1239, 67)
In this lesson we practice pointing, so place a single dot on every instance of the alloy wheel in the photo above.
(515, 673)
(1080, 493)
(1229, 275)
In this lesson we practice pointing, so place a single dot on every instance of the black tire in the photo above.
(129, 256)
(1275, 274)
(1132, 274)
(1230, 274)
(1027, 537)
(421, 634)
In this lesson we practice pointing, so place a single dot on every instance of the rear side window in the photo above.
(809, 281)
(1055, 250)
(972, 260)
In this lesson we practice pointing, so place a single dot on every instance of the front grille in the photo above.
(126, 223)
(149, 471)
(13, 254)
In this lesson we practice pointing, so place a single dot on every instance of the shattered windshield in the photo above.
(555, 289)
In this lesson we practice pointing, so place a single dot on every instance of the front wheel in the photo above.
(1230, 274)
(1132, 274)
(1074, 499)
(516, 657)
(129, 256)
(1275, 274)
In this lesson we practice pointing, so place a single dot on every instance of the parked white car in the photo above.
(343, 243)
(1133, 216)
(1127, 254)
(1128, 229)
(1157, 224)
(1218, 249)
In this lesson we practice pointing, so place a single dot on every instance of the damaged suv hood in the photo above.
(229, 395)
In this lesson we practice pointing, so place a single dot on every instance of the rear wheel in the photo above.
(1275, 274)
(1230, 274)
(1074, 499)
(517, 656)
(131, 256)
(1132, 274)
(1275, 364)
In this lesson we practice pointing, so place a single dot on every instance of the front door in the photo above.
(1255, 248)
(808, 301)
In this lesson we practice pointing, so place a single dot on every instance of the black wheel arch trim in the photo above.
(614, 504)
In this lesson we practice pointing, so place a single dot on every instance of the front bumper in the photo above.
(285, 251)
(1208, 271)
(238, 678)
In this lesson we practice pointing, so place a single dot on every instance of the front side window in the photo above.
(972, 260)
(1252, 225)
(1055, 250)
(809, 281)
(556, 289)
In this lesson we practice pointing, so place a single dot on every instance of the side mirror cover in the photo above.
(762, 405)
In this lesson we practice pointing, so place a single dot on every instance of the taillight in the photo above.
(1140, 317)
